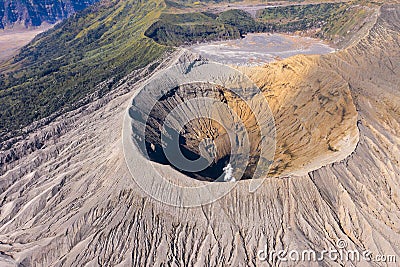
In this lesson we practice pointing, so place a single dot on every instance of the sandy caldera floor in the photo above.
(13, 39)
(260, 48)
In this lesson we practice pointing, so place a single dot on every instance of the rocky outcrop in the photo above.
(74, 202)
(35, 13)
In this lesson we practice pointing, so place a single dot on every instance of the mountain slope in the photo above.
(74, 203)
(36, 12)
(87, 53)
(85, 56)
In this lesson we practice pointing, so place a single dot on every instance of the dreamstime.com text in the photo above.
(338, 253)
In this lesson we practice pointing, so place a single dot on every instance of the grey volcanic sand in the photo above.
(260, 48)
(12, 40)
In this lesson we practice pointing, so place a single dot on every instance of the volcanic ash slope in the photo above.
(74, 203)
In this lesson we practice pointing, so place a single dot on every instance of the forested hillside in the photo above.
(110, 39)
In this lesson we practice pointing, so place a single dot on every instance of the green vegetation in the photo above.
(333, 20)
(300, 17)
(107, 41)
(239, 19)
(298, 12)
(64, 65)
(178, 29)
(347, 18)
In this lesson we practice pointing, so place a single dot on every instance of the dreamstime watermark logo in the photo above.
(339, 253)
(233, 129)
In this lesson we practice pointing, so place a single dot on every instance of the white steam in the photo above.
(228, 170)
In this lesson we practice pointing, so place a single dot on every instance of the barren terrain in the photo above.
(69, 199)
(260, 48)
(12, 40)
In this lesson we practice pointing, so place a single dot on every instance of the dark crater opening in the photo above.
(177, 122)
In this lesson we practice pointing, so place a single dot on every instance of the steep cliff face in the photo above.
(315, 117)
(34, 13)
(73, 202)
